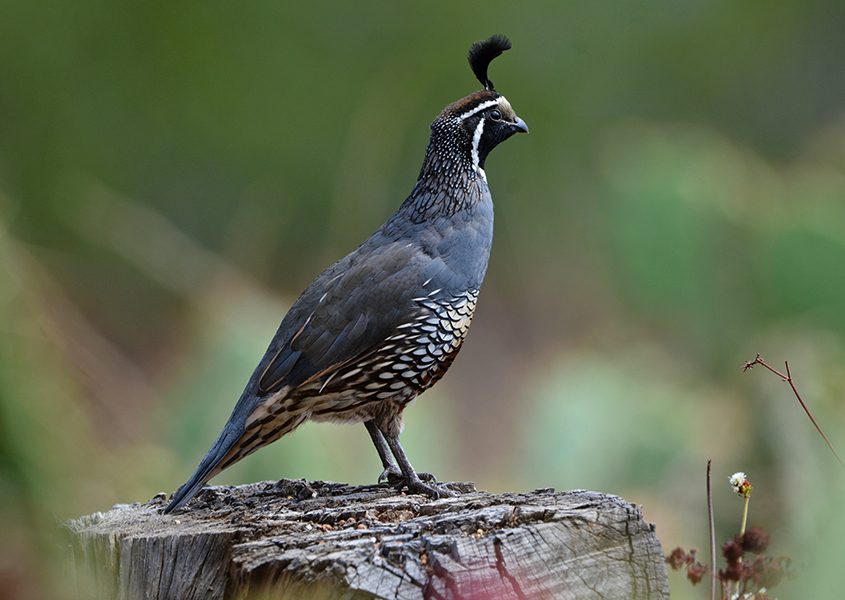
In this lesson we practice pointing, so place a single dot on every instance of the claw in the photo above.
(391, 476)
(422, 483)
(418, 486)
(394, 476)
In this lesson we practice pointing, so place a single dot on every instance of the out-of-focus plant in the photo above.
(750, 579)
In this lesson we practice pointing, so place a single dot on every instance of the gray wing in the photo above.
(348, 311)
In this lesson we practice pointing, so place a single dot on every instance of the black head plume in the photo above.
(482, 53)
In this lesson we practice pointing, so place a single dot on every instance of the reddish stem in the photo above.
(787, 377)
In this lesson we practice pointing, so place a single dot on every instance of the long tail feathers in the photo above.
(207, 468)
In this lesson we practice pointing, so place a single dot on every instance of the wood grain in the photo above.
(292, 539)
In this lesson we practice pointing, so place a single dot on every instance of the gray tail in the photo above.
(207, 468)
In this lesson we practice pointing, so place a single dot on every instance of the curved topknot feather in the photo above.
(482, 53)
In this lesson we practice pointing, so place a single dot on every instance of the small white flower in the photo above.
(737, 479)
(740, 484)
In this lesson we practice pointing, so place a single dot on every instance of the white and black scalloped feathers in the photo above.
(482, 53)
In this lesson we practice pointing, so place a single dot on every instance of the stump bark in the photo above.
(292, 539)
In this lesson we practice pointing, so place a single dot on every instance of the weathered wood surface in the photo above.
(289, 539)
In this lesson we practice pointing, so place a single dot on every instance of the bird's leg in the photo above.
(410, 478)
(391, 472)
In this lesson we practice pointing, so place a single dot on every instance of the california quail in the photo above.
(385, 322)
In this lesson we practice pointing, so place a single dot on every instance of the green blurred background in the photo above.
(173, 174)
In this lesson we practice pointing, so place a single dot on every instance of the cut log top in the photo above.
(329, 540)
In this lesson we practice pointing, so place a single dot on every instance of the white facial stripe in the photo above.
(476, 140)
(479, 108)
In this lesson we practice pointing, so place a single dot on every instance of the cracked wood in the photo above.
(291, 539)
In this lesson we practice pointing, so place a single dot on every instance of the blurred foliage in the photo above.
(172, 175)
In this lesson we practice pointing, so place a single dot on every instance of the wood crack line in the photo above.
(503, 570)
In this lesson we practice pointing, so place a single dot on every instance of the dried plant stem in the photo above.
(712, 536)
(787, 377)
(742, 529)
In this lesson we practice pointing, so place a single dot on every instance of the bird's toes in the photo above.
(394, 476)
(419, 483)
(391, 475)
(418, 486)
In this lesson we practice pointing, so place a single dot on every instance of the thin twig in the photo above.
(712, 536)
(787, 377)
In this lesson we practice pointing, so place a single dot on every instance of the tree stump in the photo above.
(292, 539)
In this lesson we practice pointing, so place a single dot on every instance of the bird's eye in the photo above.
(495, 115)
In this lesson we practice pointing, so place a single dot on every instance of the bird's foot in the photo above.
(390, 475)
(416, 485)
(394, 477)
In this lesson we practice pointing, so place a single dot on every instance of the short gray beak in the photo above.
(520, 125)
